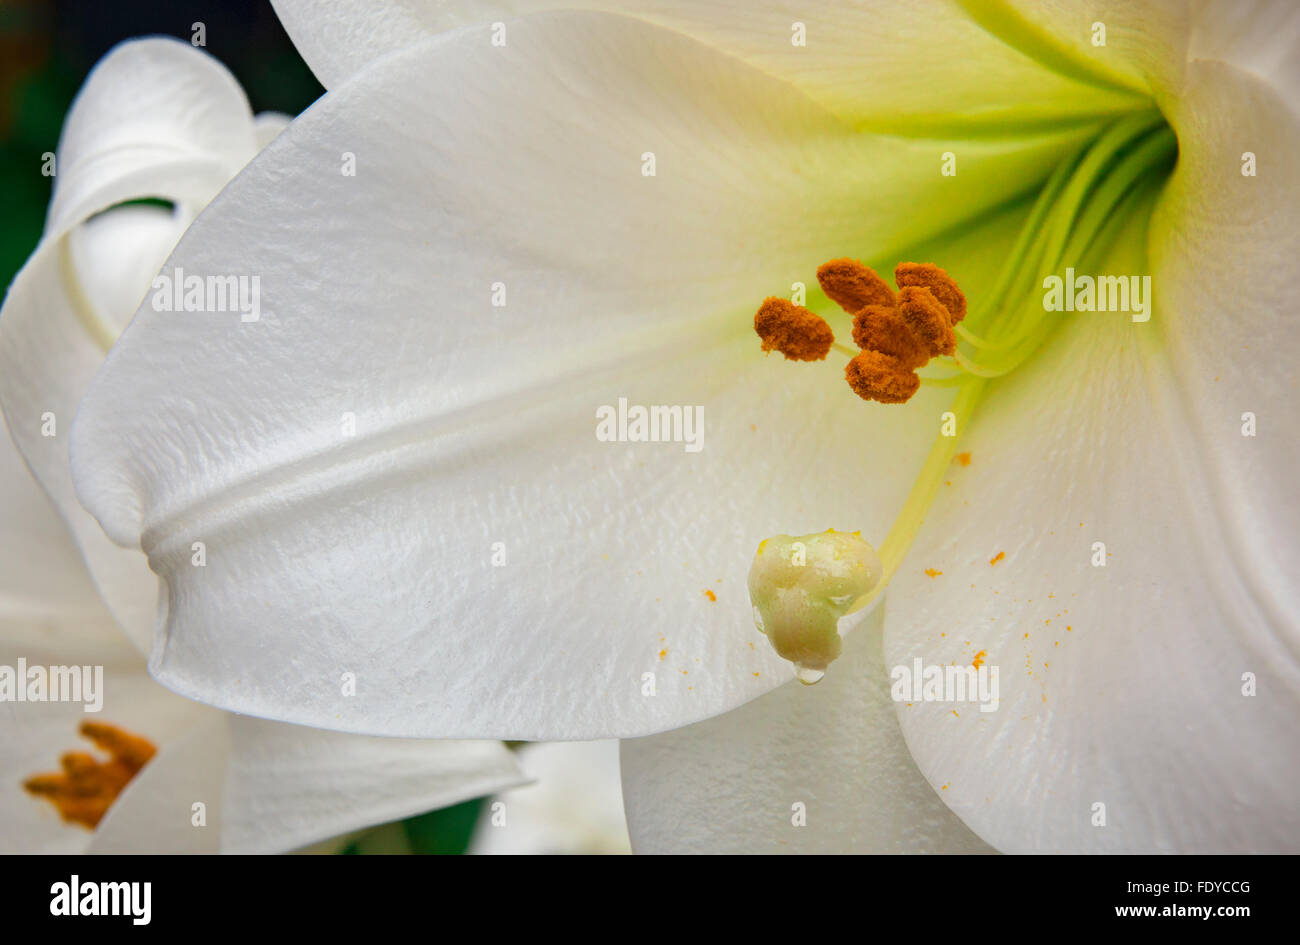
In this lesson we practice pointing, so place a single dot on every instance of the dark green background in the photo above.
(48, 46)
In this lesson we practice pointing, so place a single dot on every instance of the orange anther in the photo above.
(86, 787)
(897, 333)
(882, 377)
(797, 333)
(879, 328)
(927, 319)
(938, 282)
(853, 286)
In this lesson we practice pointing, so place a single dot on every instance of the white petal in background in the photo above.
(574, 806)
(270, 787)
(475, 425)
(156, 119)
(819, 769)
(41, 574)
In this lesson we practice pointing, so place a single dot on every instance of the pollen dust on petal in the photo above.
(978, 661)
(87, 787)
(710, 595)
(931, 572)
(997, 557)
(963, 458)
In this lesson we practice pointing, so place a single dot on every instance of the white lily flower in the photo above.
(574, 806)
(481, 239)
(157, 118)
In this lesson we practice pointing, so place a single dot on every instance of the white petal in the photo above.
(1258, 36)
(150, 107)
(41, 574)
(1124, 685)
(288, 786)
(831, 755)
(575, 806)
(111, 259)
(174, 805)
(875, 62)
(475, 425)
(156, 118)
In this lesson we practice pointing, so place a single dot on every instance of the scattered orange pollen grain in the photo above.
(663, 654)
(684, 673)
(710, 595)
(963, 458)
(944, 788)
(954, 712)
(932, 572)
(978, 661)
(756, 674)
(1069, 629)
(797, 333)
(997, 557)
(86, 787)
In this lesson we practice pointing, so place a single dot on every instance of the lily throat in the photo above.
(1086, 201)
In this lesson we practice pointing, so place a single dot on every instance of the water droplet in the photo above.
(807, 675)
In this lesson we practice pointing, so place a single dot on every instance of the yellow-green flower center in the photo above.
(1083, 205)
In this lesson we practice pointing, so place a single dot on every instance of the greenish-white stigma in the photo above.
(800, 588)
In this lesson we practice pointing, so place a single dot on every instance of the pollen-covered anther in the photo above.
(927, 319)
(797, 333)
(897, 332)
(852, 285)
(879, 328)
(940, 284)
(881, 377)
(86, 787)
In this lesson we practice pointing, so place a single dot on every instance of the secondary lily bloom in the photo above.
(156, 119)
(474, 244)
